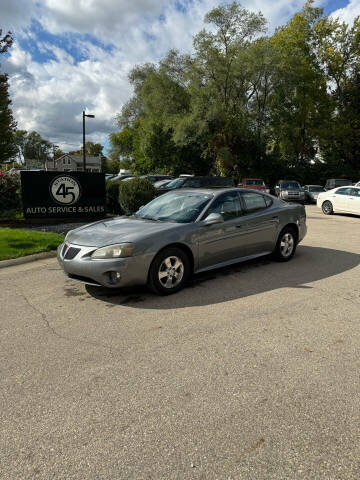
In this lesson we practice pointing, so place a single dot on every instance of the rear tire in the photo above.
(286, 245)
(169, 271)
(327, 208)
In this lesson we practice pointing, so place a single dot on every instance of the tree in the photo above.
(32, 148)
(5, 41)
(7, 123)
(246, 104)
(92, 149)
(300, 101)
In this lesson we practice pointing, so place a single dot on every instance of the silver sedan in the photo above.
(181, 233)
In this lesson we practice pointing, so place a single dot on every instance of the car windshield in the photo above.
(316, 188)
(177, 207)
(254, 182)
(160, 183)
(295, 185)
(175, 183)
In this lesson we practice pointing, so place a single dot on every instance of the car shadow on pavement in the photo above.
(309, 265)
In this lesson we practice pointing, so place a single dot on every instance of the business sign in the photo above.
(62, 194)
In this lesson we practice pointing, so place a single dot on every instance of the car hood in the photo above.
(117, 230)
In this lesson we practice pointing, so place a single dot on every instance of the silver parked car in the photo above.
(181, 233)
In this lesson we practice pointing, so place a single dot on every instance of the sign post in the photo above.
(63, 195)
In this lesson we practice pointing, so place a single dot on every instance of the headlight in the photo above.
(120, 250)
(302, 194)
(284, 193)
(267, 190)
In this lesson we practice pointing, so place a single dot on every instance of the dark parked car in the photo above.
(162, 183)
(156, 178)
(181, 233)
(197, 182)
(312, 192)
(337, 182)
(290, 191)
(121, 177)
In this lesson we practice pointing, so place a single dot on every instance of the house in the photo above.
(73, 163)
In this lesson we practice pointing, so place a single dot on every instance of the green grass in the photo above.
(17, 243)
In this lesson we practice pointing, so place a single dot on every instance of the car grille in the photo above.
(70, 252)
(293, 194)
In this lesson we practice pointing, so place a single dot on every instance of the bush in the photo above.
(10, 195)
(112, 197)
(134, 194)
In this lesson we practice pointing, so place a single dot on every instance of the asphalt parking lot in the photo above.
(252, 372)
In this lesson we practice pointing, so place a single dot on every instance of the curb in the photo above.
(27, 259)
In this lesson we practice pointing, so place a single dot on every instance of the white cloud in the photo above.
(16, 14)
(49, 96)
(348, 13)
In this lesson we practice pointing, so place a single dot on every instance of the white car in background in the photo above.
(341, 199)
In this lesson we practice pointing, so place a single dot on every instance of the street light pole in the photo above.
(84, 153)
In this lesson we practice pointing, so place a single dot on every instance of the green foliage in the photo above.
(134, 194)
(112, 197)
(7, 124)
(34, 149)
(92, 149)
(246, 104)
(10, 196)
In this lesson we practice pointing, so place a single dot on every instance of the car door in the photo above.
(261, 223)
(222, 242)
(354, 201)
(340, 199)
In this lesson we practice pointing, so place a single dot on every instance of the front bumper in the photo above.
(294, 200)
(111, 273)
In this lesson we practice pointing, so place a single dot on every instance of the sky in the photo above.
(75, 55)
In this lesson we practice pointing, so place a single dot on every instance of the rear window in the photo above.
(338, 182)
(209, 182)
(254, 182)
(255, 201)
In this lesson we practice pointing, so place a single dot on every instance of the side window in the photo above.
(228, 205)
(355, 192)
(268, 201)
(254, 201)
(192, 183)
(344, 191)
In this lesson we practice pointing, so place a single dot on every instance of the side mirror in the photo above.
(213, 218)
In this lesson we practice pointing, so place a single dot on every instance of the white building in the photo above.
(74, 163)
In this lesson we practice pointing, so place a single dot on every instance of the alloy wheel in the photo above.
(287, 245)
(171, 272)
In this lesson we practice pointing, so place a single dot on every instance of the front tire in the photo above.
(327, 208)
(286, 245)
(169, 271)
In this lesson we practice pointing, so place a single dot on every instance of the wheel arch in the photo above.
(182, 246)
(294, 226)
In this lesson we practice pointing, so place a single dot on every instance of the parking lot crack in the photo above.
(52, 330)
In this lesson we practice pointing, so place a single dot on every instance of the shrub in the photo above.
(135, 193)
(10, 195)
(112, 197)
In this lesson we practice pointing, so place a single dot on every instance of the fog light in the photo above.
(114, 277)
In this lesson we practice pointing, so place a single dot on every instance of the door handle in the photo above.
(238, 226)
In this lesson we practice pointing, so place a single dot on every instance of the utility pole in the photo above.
(84, 152)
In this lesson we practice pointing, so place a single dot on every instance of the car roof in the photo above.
(215, 191)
